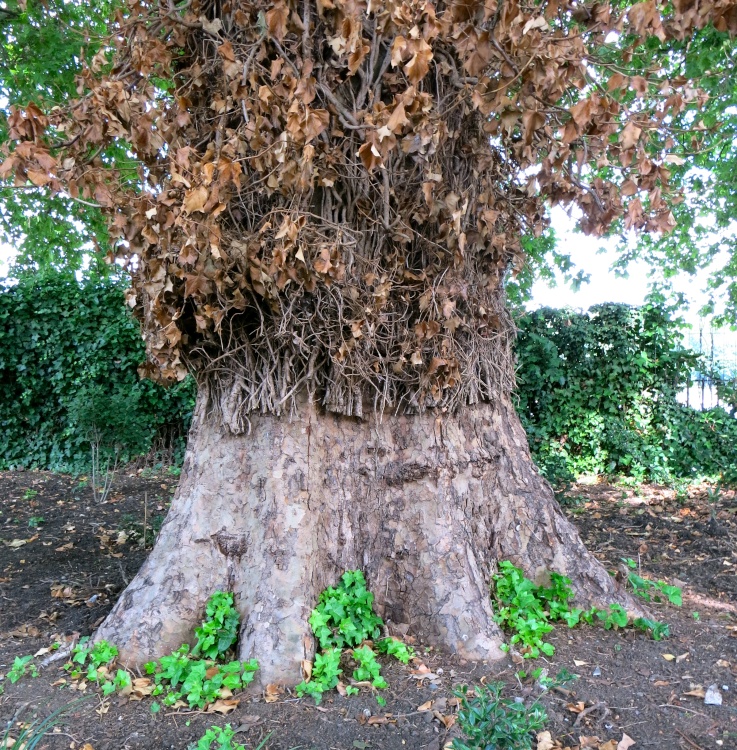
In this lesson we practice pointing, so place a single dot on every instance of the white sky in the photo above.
(596, 257)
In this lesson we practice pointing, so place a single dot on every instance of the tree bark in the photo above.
(425, 505)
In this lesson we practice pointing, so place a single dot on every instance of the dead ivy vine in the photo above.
(331, 192)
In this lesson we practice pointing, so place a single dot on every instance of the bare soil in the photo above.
(78, 556)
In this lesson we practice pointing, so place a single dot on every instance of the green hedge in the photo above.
(69, 353)
(597, 393)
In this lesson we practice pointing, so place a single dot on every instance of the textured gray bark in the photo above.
(424, 505)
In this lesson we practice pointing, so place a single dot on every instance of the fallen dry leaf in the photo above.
(723, 663)
(576, 708)
(696, 691)
(580, 663)
(272, 692)
(248, 722)
(25, 630)
(64, 547)
(681, 657)
(378, 720)
(668, 657)
(590, 742)
(545, 741)
(446, 721)
(223, 706)
(625, 743)
(16, 543)
(426, 706)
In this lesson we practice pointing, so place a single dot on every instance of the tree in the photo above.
(705, 235)
(43, 43)
(332, 195)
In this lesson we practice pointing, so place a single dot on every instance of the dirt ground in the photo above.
(65, 559)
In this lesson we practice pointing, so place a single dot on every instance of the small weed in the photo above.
(91, 656)
(528, 610)
(713, 496)
(396, 648)
(344, 618)
(22, 665)
(489, 721)
(325, 676)
(681, 487)
(657, 630)
(223, 737)
(219, 631)
(31, 734)
(30, 494)
(35, 521)
(368, 670)
(174, 471)
(180, 678)
(652, 590)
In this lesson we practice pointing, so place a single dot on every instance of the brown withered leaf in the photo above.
(398, 119)
(418, 66)
(276, 20)
(195, 199)
(630, 135)
(223, 706)
(273, 692)
(378, 720)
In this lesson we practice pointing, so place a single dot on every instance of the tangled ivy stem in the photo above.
(331, 195)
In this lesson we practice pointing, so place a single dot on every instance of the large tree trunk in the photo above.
(424, 505)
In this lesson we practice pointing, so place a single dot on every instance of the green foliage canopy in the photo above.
(40, 53)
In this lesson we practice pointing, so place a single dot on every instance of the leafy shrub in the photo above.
(219, 631)
(221, 738)
(69, 353)
(597, 393)
(22, 665)
(344, 616)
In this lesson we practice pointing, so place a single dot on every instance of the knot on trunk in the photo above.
(230, 545)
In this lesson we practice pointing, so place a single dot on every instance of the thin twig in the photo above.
(690, 741)
(683, 708)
